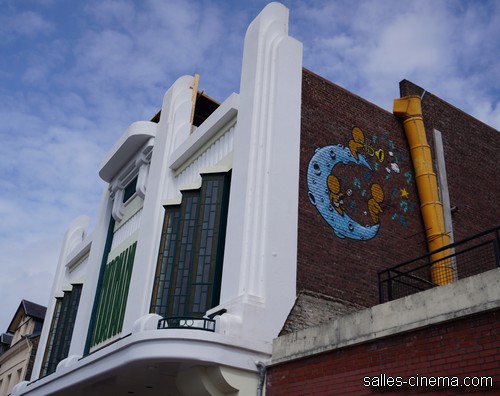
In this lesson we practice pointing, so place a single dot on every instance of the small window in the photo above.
(130, 190)
(19, 375)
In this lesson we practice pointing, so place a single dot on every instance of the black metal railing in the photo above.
(183, 322)
(468, 257)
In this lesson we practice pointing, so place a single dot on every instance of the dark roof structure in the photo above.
(27, 308)
(34, 310)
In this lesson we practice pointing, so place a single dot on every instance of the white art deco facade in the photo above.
(190, 271)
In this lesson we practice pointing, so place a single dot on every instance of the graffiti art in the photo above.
(349, 199)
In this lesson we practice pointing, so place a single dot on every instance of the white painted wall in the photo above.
(76, 240)
(259, 277)
(257, 134)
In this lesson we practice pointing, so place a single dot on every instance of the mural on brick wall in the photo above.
(359, 187)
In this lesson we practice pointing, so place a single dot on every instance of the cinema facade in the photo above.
(293, 239)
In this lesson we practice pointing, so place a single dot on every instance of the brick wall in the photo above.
(342, 267)
(469, 347)
(347, 268)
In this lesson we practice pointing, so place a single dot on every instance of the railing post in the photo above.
(389, 287)
(380, 292)
(496, 246)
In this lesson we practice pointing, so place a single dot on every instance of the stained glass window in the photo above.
(61, 330)
(189, 267)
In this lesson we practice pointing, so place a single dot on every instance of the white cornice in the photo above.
(213, 125)
(15, 349)
(131, 141)
(78, 254)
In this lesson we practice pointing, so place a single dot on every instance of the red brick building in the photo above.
(451, 357)
(337, 339)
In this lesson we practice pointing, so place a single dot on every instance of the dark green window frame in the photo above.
(61, 329)
(189, 267)
(113, 294)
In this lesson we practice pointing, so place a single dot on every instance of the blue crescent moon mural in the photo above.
(324, 192)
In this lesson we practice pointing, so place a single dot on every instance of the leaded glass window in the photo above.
(166, 259)
(61, 330)
(189, 268)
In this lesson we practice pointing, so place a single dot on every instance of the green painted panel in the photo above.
(113, 296)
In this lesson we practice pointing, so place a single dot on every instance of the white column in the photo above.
(259, 275)
(173, 128)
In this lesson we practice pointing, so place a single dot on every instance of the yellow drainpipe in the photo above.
(410, 110)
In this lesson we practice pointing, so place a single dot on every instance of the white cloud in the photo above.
(26, 23)
(109, 11)
(44, 62)
(29, 274)
(71, 83)
(403, 47)
(164, 39)
(48, 180)
(448, 47)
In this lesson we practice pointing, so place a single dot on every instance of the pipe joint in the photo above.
(408, 107)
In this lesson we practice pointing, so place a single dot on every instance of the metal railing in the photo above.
(468, 257)
(186, 322)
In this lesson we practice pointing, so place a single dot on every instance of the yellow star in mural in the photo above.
(404, 193)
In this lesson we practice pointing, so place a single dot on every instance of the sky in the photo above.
(75, 74)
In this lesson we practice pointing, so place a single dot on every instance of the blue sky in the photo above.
(75, 74)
